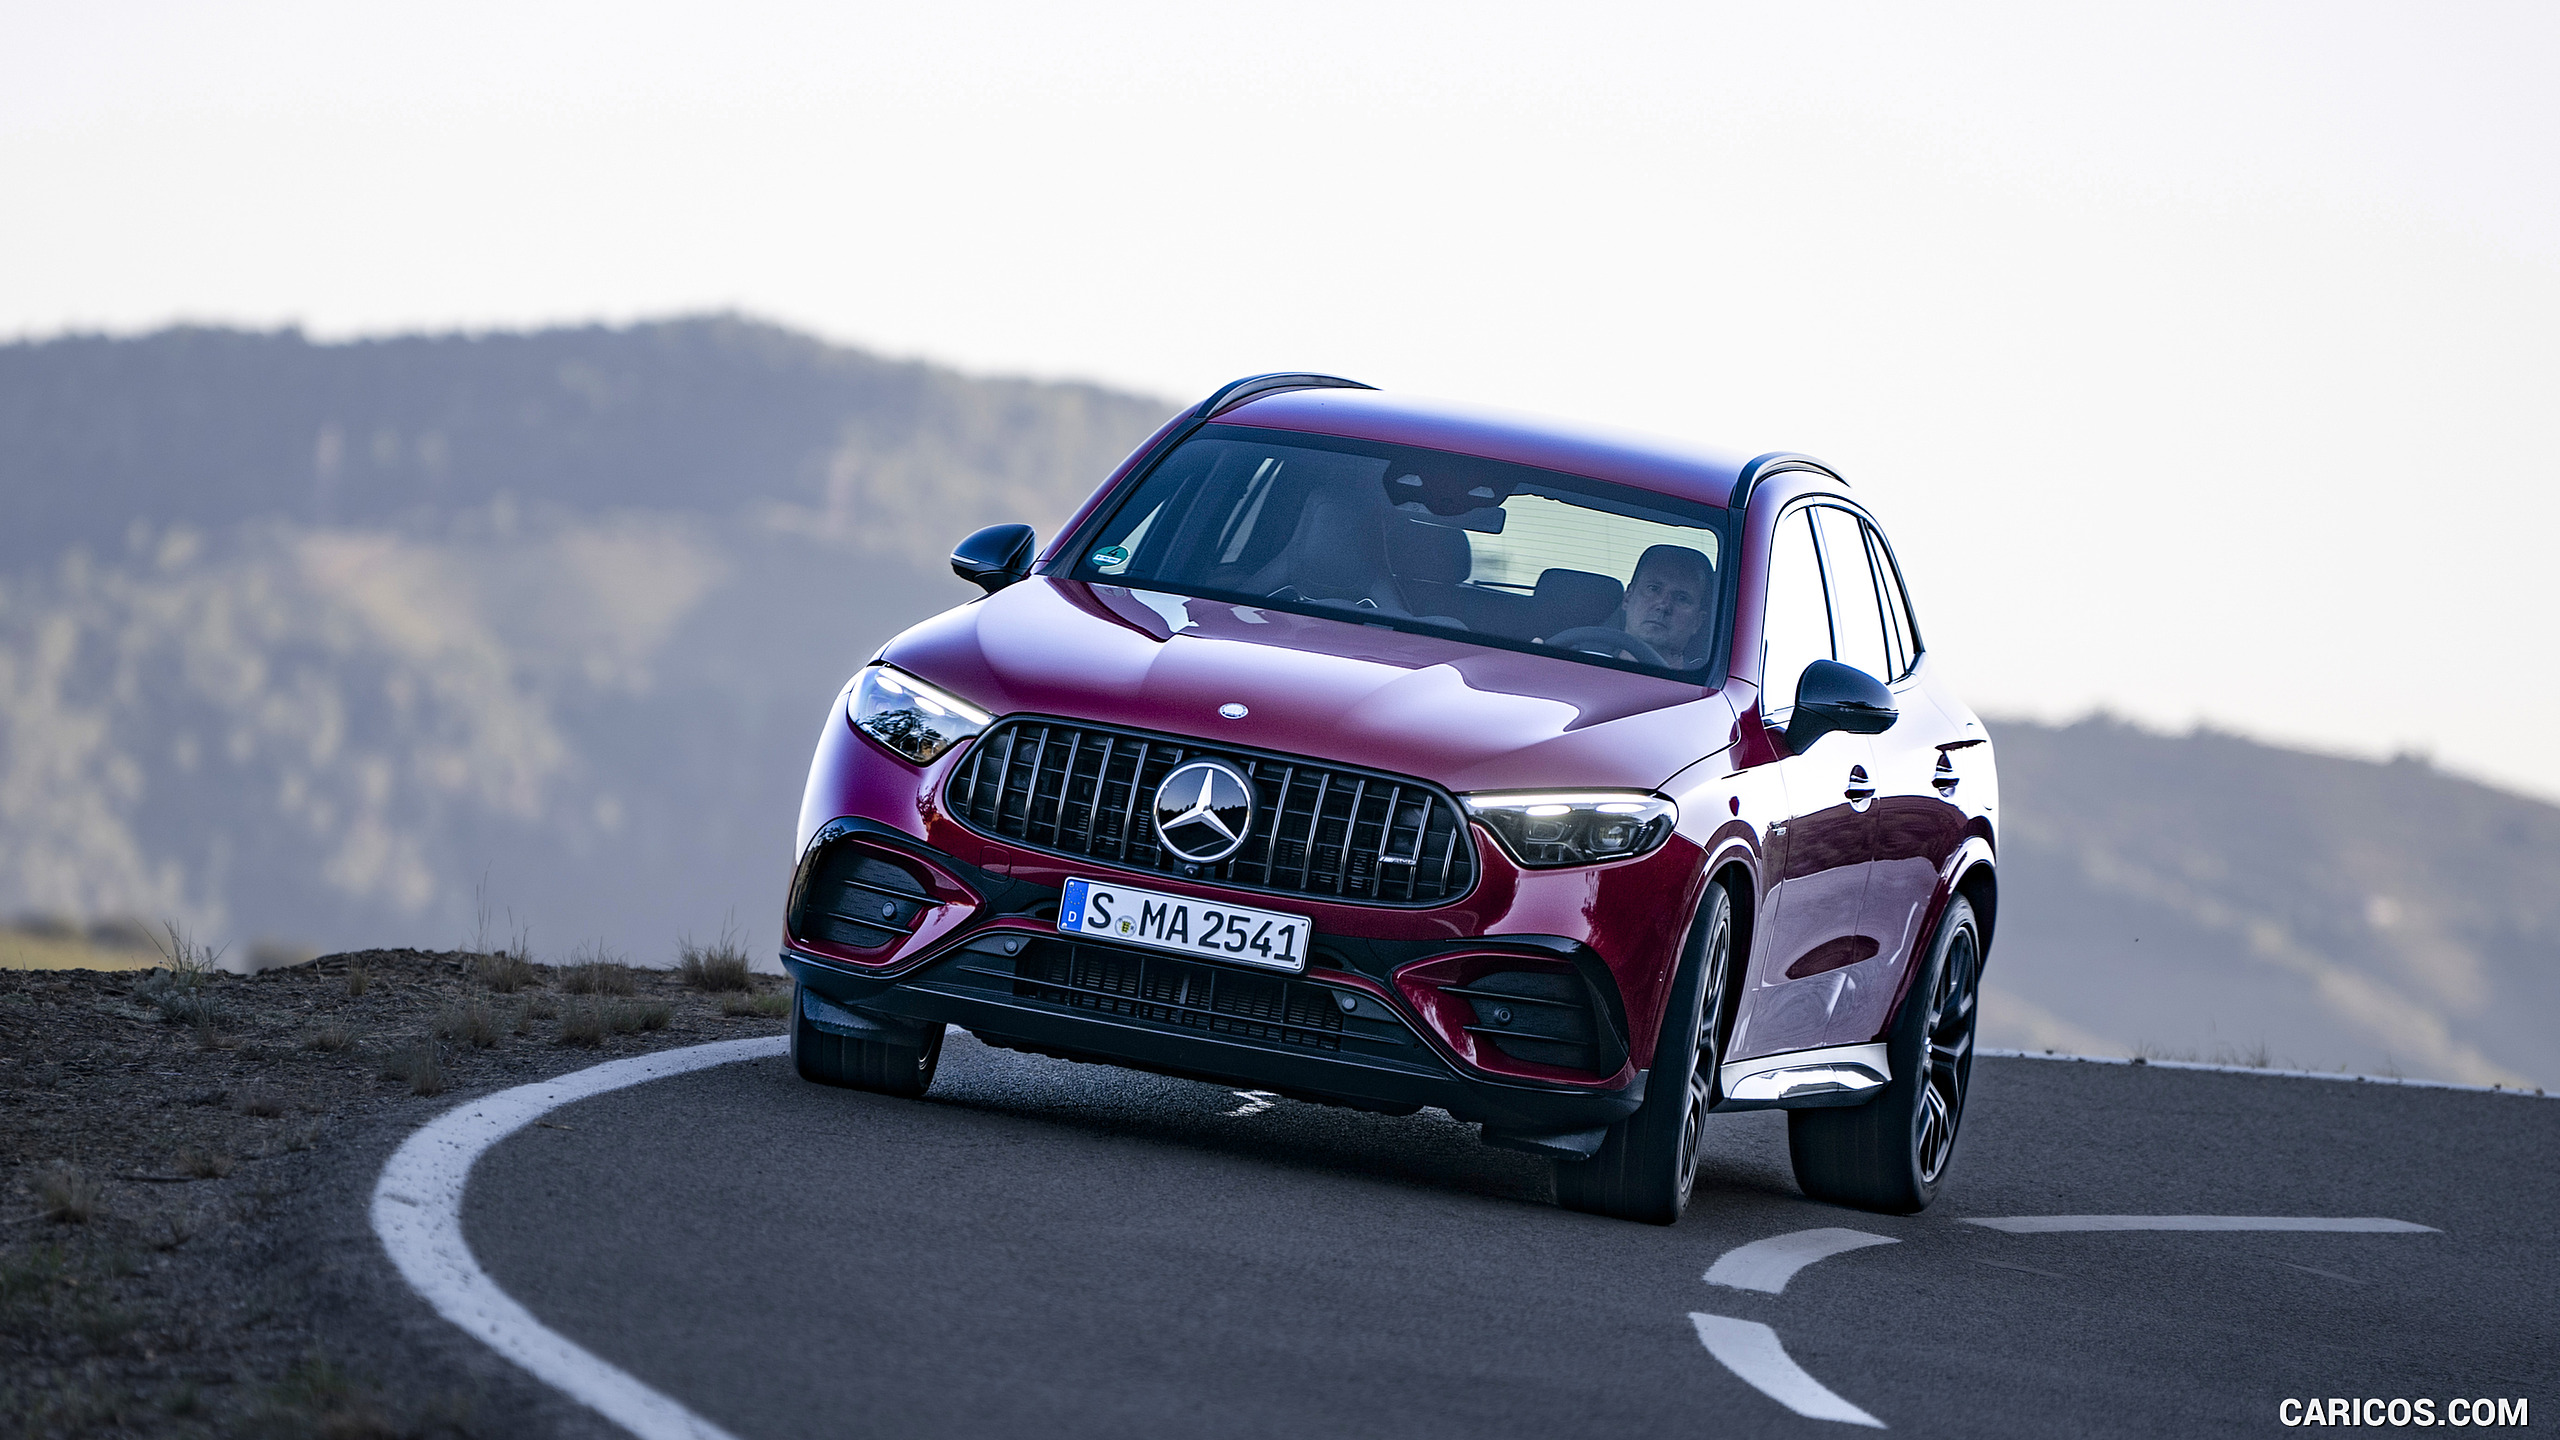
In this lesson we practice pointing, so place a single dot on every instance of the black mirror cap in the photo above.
(1832, 696)
(995, 557)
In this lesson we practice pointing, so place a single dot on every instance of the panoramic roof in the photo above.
(1649, 462)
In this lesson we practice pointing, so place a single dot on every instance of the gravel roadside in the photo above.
(186, 1158)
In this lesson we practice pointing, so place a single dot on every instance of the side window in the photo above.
(1796, 630)
(1897, 604)
(1857, 622)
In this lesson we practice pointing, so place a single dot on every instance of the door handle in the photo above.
(1946, 778)
(1860, 787)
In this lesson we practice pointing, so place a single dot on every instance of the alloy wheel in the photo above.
(1949, 1046)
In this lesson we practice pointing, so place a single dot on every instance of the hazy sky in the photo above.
(2201, 359)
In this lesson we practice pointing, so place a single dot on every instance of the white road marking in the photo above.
(1767, 1265)
(1255, 1102)
(1751, 1350)
(2055, 1224)
(2534, 1093)
(425, 1240)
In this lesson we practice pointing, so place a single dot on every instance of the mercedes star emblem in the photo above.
(1204, 810)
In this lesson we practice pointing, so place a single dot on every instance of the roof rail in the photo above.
(1773, 463)
(1254, 387)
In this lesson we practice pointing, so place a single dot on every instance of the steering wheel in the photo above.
(1602, 640)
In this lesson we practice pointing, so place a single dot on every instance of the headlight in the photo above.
(1546, 830)
(909, 716)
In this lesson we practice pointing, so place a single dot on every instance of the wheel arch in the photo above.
(1979, 883)
(1733, 872)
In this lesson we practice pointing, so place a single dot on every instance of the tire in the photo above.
(1892, 1153)
(1648, 1164)
(861, 1064)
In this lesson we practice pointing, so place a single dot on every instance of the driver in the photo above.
(1666, 603)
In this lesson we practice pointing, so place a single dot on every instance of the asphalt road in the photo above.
(1067, 1250)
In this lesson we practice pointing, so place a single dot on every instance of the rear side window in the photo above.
(1902, 631)
(1858, 635)
(1796, 630)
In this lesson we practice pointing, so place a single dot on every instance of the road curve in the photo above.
(1042, 1247)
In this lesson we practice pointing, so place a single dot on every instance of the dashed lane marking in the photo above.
(2058, 1224)
(1751, 1350)
(1767, 1265)
(417, 1212)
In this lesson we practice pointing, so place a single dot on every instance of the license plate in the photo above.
(1239, 934)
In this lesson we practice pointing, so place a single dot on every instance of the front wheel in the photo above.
(1891, 1153)
(830, 1059)
(1648, 1163)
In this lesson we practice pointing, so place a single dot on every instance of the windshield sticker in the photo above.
(1111, 555)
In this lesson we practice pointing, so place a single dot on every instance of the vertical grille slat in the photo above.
(1066, 789)
(1077, 789)
(1129, 807)
(1350, 836)
(1279, 811)
(1315, 822)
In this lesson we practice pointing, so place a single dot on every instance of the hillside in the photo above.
(2206, 896)
(322, 644)
(430, 639)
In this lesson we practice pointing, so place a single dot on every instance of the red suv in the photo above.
(1387, 753)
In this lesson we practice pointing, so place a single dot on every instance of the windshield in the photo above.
(1423, 540)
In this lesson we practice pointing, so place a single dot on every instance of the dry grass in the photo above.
(359, 980)
(263, 1104)
(331, 1038)
(206, 1164)
(67, 1195)
(632, 1016)
(471, 1022)
(594, 970)
(718, 966)
(768, 1006)
(507, 971)
(582, 1024)
(421, 1065)
(321, 1400)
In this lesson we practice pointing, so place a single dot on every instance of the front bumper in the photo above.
(1324, 1037)
(1377, 1024)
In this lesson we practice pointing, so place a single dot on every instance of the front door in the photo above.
(1808, 931)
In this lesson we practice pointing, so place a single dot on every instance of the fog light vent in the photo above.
(1542, 1017)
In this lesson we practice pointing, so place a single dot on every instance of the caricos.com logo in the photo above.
(2372, 1411)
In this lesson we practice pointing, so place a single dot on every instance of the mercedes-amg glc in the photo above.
(1391, 753)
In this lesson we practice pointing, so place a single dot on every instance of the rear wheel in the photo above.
(1648, 1164)
(830, 1059)
(1891, 1153)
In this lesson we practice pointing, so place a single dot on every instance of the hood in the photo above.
(1470, 717)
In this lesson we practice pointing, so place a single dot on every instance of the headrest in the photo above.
(1436, 553)
(1567, 598)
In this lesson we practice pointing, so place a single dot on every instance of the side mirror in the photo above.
(994, 557)
(1832, 696)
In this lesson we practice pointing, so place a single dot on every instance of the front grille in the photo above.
(1318, 828)
(1270, 1009)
